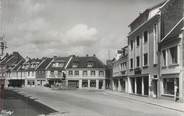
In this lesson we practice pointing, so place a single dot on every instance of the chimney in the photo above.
(55, 57)
(86, 55)
(94, 55)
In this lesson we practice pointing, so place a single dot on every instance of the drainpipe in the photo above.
(161, 31)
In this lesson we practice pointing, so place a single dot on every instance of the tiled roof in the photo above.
(146, 12)
(58, 60)
(11, 60)
(44, 64)
(19, 65)
(35, 61)
(82, 62)
(175, 31)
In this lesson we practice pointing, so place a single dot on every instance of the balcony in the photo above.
(55, 76)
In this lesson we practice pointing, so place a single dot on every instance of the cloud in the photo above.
(31, 7)
(38, 37)
(81, 33)
(63, 27)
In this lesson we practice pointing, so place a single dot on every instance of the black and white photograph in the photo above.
(91, 57)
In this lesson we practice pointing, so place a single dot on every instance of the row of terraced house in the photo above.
(77, 72)
(152, 64)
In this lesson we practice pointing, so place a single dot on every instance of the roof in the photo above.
(35, 61)
(19, 65)
(143, 24)
(175, 31)
(44, 64)
(58, 60)
(147, 11)
(12, 60)
(82, 62)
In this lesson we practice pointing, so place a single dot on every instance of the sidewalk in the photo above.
(158, 102)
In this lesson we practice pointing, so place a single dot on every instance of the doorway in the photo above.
(155, 83)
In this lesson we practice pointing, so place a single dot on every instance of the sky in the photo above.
(38, 28)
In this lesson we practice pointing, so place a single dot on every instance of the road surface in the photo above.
(95, 103)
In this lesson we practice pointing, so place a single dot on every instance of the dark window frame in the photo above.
(138, 61)
(138, 41)
(145, 36)
(145, 59)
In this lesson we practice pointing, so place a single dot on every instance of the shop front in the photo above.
(139, 85)
(169, 85)
(73, 83)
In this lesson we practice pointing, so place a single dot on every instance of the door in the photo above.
(154, 88)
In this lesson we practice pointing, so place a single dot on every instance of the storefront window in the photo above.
(84, 83)
(168, 84)
(93, 83)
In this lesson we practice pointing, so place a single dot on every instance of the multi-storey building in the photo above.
(10, 62)
(14, 76)
(28, 71)
(119, 76)
(143, 68)
(172, 50)
(85, 72)
(41, 71)
(55, 71)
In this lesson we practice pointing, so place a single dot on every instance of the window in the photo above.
(173, 55)
(90, 64)
(131, 44)
(164, 57)
(85, 73)
(93, 73)
(60, 64)
(28, 73)
(155, 43)
(54, 65)
(137, 40)
(131, 63)
(59, 73)
(145, 59)
(145, 36)
(77, 73)
(168, 84)
(51, 72)
(75, 65)
(70, 72)
(93, 83)
(84, 83)
(122, 66)
(101, 73)
(32, 73)
(137, 59)
(125, 65)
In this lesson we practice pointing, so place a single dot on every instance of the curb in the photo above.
(179, 110)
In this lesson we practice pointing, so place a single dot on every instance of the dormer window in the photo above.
(90, 64)
(75, 65)
(54, 65)
(61, 64)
